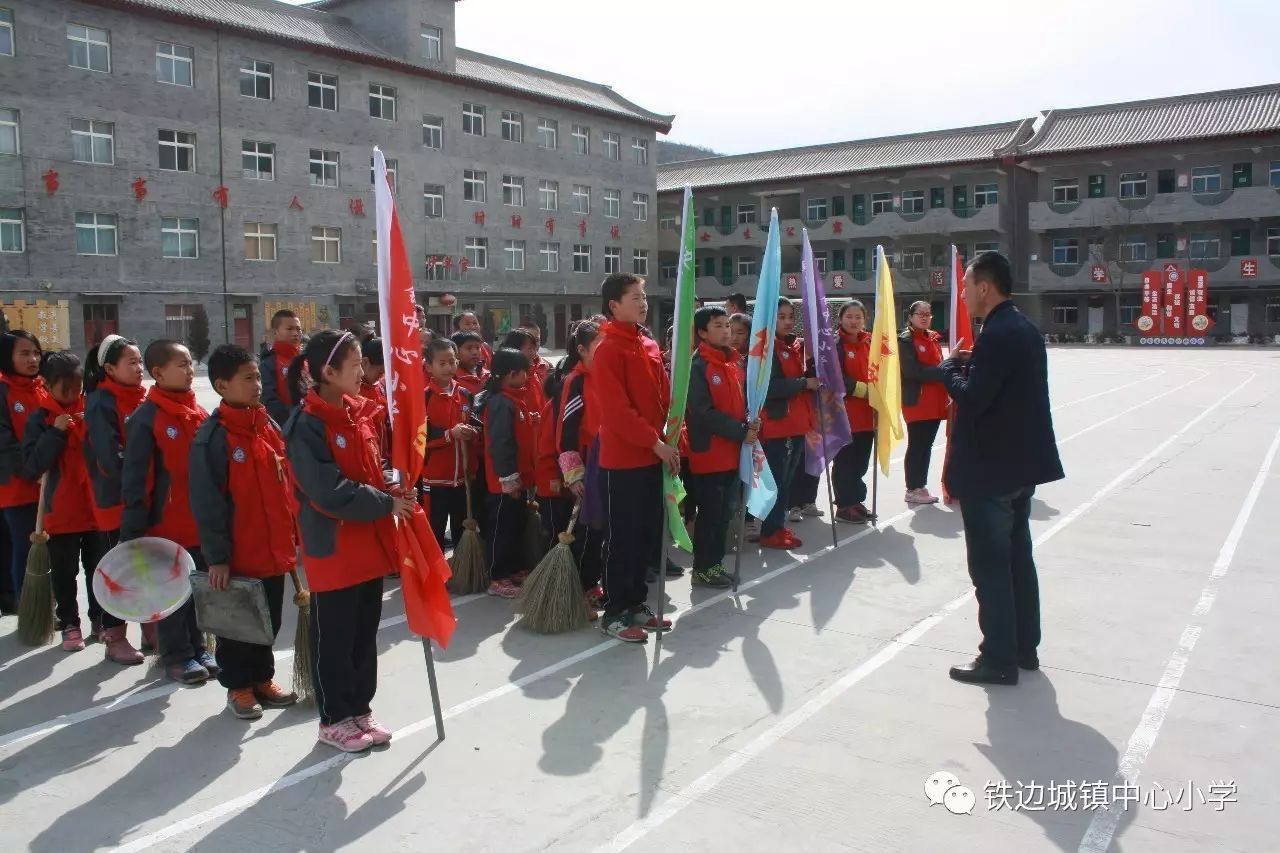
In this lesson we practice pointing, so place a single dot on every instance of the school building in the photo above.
(159, 158)
(1083, 201)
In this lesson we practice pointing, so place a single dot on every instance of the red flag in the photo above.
(424, 569)
(960, 337)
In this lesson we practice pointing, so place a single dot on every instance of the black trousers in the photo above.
(588, 549)
(634, 532)
(920, 438)
(67, 552)
(554, 513)
(180, 638)
(247, 664)
(785, 456)
(508, 517)
(344, 649)
(110, 539)
(850, 468)
(717, 496)
(997, 537)
(448, 509)
(804, 486)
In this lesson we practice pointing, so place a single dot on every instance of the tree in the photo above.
(198, 334)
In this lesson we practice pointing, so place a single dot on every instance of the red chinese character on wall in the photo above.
(139, 189)
(550, 225)
(705, 237)
(582, 228)
(356, 205)
(220, 196)
(837, 281)
(746, 233)
(791, 231)
(464, 264)
(837, 227)
(516, 220)
(1099, 273)
(793, 283)
(1248, 268)
(50, 181)
(479, 217)
(295, 204)
(935, 278)
(615, 232)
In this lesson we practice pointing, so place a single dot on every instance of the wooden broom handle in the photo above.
(39, 528)
(466, 478)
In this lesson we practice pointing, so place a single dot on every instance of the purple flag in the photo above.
(828, 405)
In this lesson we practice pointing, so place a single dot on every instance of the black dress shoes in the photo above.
(980, 671)
(1029, 662)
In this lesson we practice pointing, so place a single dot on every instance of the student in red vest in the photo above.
(717, 419)
(241, 499)
(740, 333)
(924, 397)
(348, 535)
(510, 433)
(633, 391)
(850, 465)
(286, 329)
(113, 384)
(153, 486)
(452, 446)
(526, 342)
(22, 391)
(373, 388)
(472, 363)
(52, 446)
(467, 321)
(787, 418)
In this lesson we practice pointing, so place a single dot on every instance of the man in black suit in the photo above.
(1002, 447)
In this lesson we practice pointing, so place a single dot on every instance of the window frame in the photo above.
(582, 132)
(258, 156)
(511, 186)
(94, 134)
(985, 195)
(323, 87)
(174, 59)
(549, 255)
(548, 130)
(612, 258)
(7, 223)
(473, 118)
(582, 251)
(393, 172)
(181, 228)
(512, 254)
(178, 146)
(432, 200)
(640, 149)
(816, 209)
(1069, 246)
(611, 142)
(878, 201)
(918, 259)
(1273, 174)
(1127, 245)
(611, 203)
(254, 75)
(1130, 182)
(548, 190)
(750, 212)
(472, 178)
(512, 119)
(260, 235)
(585, 194)
(1072, 307)
(378, 93)
(6, 24)
(640, 262)
(746, 265)
(328, 235)
(1273, 242)
(433, 131)
(476, 251)
(16, 124)
(325, 164)
(1070, 190)
(1206, 179)
(96, 226)
(909, 202)
(1205, 238)
(89, 43)
(427, 37)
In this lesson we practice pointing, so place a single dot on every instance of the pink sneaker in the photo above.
(503, 589)
(72, 640)
(923, 496)
(380, 734)
(345, 735)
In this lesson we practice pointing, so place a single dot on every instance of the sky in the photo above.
(752, 75)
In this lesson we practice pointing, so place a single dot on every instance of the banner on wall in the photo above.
(306, 311)
(1197, 297)
(1148, 321)
(48, 321)
(1174, 315)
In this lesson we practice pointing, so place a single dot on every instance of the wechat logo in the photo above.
(943, 787)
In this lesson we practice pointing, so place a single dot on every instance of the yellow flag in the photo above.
(884, 388)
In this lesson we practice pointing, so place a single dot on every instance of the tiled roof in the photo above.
(310, 26)
(1210, 114)
(865, 155)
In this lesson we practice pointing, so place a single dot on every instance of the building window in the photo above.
(477, 252)
(12, 232)
(548, 133)
(746, 266)
(10, 138)
(819, 262)
(95, 234)
(179, 238)
(912, 259)
(640, 207)
(1275, 173)
(255, 79)
(1273, 310)
(258, 160)
(393, 169)
(87, 47)
(1242, 175)
(550, 255)
(1066, 250)
(913, 201)
(173, 64)
(581, 258)
(548, 195)
(512, 126)
(1097, 186)
(1066, 313)
(667, 223)
(513, 251)
(581, 139)
(640, 261)
(937, 197)
(259, 241)
(512, 191)
(1206, 179)
(1241, 241)
(433, 201)
(1166, 181)
(1066, 190)
(612, 259)
(581, 199)
(100, 319)
(640, 148)
(473, 119)
(6, 32)
(881, 203)
(816, 209)
(474, 185)
(611, 200)
(177, 151)
(326, 245)
(612, 146)
(177, 321)
(433, 132)
(322, 91)
(985, 194)
(92, 142)
(746, 214)
(668, 271)
(1130, 309)
(432, 41)
(980, 248)
(1166, 245)
(382, 102)
(1205, 247)
(1133, 248)
(1273, 242)
(324, 168)
(1133, 185)
(435, 271)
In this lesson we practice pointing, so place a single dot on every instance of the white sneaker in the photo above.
(811, 511)
(794, 514)
(925, 497)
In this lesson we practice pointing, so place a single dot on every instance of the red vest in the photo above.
(69, 508)
(727, 381)
(932, 405)
(127, 400)
(473, 382)
(285, 354)
(445, 410)
(525, 432)
(23, 396)
(799, 417)
(264, 542)
(855, 359)
(633, 393)
(178, 416)
(589, 426)
(546, 455)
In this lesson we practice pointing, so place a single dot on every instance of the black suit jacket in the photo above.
(1002, 439)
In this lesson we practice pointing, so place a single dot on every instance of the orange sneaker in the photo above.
(272, 695)
(778, 540)
(243, 703)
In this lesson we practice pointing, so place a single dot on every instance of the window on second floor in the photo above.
(985, 194)
(433, 201)
(816, 209)
(1206, 179)
(322, 91)
(581, 199)
(612, 146)
(913, 201)
(1273, 242)
(177, 151)
(95, 234)
(180, 238)
(612, 259)
(640, 207)
(611, 203)
(913, 259)
(640, 147)
(173, 64)
(10, 136)
(256, 79)
(474, 186)
(1242, 175)
(323, 167)
(258, 160)
(548, 195)
(746, 265)
(881, 203)
(1133, 248)
(12, 233)
(1241, 241)
(746, 214)
(1066, 250)
(1066, 190)
(1133, 185)
(473, 119)
(92, 141)
(640, 261)
(512, 126)
(548, 133)
(1166, 181)
(581, 139)
(433, 132)
(512, 191)
(382, 102)
(6, 32)
(1205, 246)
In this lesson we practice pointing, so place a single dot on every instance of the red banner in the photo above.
(1149, 320)
(1174, 315)
(1198, 322)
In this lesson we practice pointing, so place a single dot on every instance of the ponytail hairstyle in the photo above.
(59, 366)
(9, 342)
(104, 353)
(912, 310)
(324, 349)
(849, 306)
(584, 332)
(506, 361)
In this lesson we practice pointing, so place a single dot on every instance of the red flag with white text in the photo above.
(960, 337)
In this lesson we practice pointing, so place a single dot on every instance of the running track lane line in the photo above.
(1102, 829)
(677, 801)
(128, 701)
(251, 798)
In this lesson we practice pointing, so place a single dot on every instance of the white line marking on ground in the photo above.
(677, 801)
(1102, 829)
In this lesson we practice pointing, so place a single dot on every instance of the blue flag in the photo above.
(754, 468)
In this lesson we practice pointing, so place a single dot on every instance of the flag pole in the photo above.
(826, 470)
(742, 534)
(875, 468)
(662, 566)
(429, 654)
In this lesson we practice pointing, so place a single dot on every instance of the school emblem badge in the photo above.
(172, 432)
(18, 407)
(238, 456)
(921, 348)
(341, 441)
(786, 354)
(715, 379)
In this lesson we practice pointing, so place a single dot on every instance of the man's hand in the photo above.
(463, 432)
(753, 435)
(962, 356)
(403, 507)
(62, 422)
(219, 576)
(669, 455)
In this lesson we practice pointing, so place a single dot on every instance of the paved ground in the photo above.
(803, 714)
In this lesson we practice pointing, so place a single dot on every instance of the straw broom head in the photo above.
(302, 684)
(551, 598)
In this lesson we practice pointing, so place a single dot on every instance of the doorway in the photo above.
(242, 325)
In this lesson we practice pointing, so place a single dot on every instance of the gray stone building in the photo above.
(159, 156)
(1082, 201)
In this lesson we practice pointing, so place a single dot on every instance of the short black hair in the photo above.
(744, 319)
(614, 287)
(518, 338)
(994, 268)
(372, 350)
(703, 316)
(159, 353)
(9, 342)
(282, 314)
(226, 360)
(737, 300)
(60, 365)
(460, 338)
(438, 345)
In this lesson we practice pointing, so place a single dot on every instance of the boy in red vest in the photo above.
(153, 485)
(510, 432)
(469, 323)
(286, 328)
(472, 363)
(241, 499)
(452, 451)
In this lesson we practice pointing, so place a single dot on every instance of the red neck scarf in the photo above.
(75, 432)
(352, 416)
(286, 351)
(180, 405)
(128, 397)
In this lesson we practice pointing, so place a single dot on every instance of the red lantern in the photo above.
(448, 299)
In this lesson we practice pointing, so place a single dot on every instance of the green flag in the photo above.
(681, 360)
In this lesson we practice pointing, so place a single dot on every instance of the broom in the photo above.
(302, 640)
(35, 608)
(551, 599)
(535, 543)
(469, 563)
